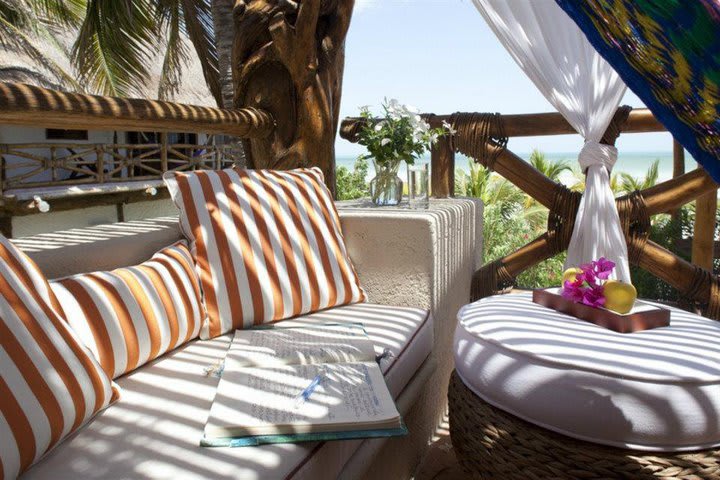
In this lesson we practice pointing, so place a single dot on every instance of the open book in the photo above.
(292, 384)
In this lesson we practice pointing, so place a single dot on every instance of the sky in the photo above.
(440, 56)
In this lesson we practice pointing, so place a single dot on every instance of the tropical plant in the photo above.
(117, 41)
(352, 184)
(549, 168)
(535, 213)
(400, 135)
(489, 187)
(630, 184)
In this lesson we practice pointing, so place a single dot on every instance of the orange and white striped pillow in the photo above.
(267, 244)
(49, 383)
(133, 315)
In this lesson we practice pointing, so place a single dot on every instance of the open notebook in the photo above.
(293, 384)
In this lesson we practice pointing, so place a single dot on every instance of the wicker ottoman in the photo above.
(538, 394)
(492, 445)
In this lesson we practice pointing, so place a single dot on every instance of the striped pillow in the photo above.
(133, 315)
(49, 383)
(267, 244)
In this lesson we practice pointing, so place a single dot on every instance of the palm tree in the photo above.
(24, 22)
(547, 167)
(630, 183)
(550, 169)
(118, 40)
(492, 189)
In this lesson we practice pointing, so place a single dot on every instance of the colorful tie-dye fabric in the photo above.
(668, 53)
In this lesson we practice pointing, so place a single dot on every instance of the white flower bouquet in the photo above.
(401, 134)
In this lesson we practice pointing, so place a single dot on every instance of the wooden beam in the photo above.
(672, 194)
(536, 124)
(28, 105)
(12, 207)
(672, 269)
(527, 178)
(704, 236)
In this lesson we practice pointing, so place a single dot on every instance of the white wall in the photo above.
(88, 217)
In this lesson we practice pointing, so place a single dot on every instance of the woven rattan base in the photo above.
(493, 445)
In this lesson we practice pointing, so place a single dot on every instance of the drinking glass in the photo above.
(419, 186)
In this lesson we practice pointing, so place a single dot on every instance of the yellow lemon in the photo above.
(619, 296)
(570, 274)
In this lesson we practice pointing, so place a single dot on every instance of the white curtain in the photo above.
(585, 89)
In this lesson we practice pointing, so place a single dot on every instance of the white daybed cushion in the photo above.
(657, 390)
(155, 428)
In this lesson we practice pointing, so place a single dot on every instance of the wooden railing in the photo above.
(34, 165)
(28, 166)
(32, 106)
(483, 137)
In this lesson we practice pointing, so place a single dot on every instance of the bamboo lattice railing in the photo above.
(483, 137)
(55, 165)
(34, 165)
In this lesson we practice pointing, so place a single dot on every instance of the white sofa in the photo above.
(419, 262)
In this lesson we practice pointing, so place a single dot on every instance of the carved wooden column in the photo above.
(289, 57)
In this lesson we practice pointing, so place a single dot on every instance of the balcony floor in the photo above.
(440, 462)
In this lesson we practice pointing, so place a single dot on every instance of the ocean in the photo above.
(633, 163)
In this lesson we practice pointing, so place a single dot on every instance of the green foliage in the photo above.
(630, 184)
(490, 187)
(665, 231)
(401, 134)
(549, 168)
(352, 184)
(503, 234)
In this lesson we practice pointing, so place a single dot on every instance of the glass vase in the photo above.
(386, 189)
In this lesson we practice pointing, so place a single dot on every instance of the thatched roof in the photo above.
(17, 67)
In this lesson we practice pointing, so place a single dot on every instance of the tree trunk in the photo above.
(288, 58)
(222, 11)
(223, 22)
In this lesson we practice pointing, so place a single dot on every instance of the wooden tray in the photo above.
(643, 316)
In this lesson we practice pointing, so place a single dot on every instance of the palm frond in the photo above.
(549, 168)
(65, 12)
(652, 175)
(176, 53)
(13, 24)
(115, 45)
(200, 29)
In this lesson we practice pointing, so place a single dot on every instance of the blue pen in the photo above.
(304, 396)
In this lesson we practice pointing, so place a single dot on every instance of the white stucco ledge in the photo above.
(419, 258)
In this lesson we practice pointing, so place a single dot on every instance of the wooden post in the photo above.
(678, 168)
(3, 172)
(703, 247)
(442, 168)
(6, 225)
(678, 159)
(53, 170)
(100, 163)
(163, 152)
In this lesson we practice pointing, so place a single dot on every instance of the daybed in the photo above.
(419, 261)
